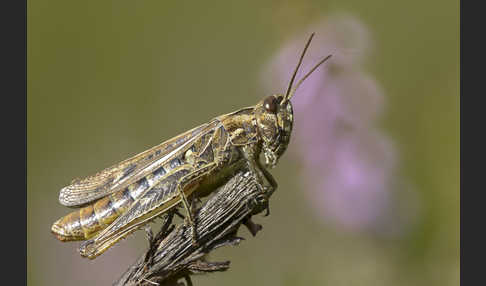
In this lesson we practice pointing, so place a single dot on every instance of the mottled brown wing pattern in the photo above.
(119, 176)
(151, 204)
(153, 198)
(161, 197)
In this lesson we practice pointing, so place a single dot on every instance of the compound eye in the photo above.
(271, 104)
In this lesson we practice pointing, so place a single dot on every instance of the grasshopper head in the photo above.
(274, 116)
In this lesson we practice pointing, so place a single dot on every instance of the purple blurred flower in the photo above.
(348, 163)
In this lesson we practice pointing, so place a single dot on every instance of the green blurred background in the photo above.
(108, 79)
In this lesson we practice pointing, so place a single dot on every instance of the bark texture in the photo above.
(172, 255)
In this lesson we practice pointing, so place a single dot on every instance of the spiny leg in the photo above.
(189, 214)
(250, 154)
(194, 205)
(268, 176)
(141, 211)
(186, 181)
(272, 182)
(261, 174)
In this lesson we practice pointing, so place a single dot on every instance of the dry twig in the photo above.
(172, 255)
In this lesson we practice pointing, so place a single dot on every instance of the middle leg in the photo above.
(185, 182)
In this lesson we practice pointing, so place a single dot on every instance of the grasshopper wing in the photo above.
(119, 176)
(151, 204)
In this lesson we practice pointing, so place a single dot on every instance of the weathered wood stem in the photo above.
(172, 254)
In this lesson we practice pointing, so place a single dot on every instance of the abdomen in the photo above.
(86, 222)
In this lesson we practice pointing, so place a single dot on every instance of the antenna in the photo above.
(297, 68)
(307, 75)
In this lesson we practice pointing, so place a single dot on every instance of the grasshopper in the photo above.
(122, 198)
